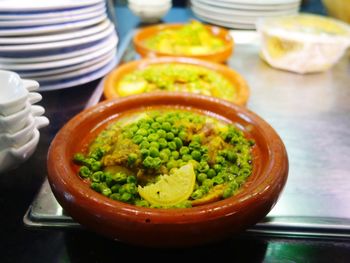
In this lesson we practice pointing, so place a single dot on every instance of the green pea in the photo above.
(106, 191)
(79, 158)
(144, 145)
(144, 153)
(125, 197)
(132, 157)
(161, 133)
(137, 139)
(211, 173)
(97, 154)
(133, 128)
(196, 138)
(231, 156)
(186, 157)
(153, 152)
(154, 145)
(201, 177)
(96, 166)
(142, 203)
(218, 180)
(171, 164)
(128, 134)
(178, 142)
(195, 145)
(115, 188)
(96, 186)
(153, 137)
(166, 151)
(172, 145)
(164, 156)
(175, 155)
(197, 194)
(115, 196)
(143, 132)
(162, 143)
(96, 177)
(182, 135)
(131, 179)
(166, 126)
(217, 167)
(184, 150)
(156, 125)
(196, 155)
(203, 167)
(145, 126)
(208, 183)
(160, 119)
(169, 136)
(84, 171)
(119, 177)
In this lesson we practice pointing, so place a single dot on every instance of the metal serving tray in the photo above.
(311, 113)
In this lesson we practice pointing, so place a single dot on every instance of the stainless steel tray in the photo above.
(311, 113)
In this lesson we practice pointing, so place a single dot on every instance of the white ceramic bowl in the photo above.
(15, 92)
(149, 12)
(15, 122)
(12, 157)
(16, 140)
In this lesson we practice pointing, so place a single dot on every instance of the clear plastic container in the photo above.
(303, 43)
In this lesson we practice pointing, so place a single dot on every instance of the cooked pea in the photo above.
(175, 155)
(125, 197)
(132, 157)
(144, 144)
(137, 139)
(154, 145)
(144, 153)
(162, 143)
(79, 158)
(174, 130)
(201, 177)
(171, 164)
(196, 155)
(156, 125)
(183, 135)
(131, 179)
(211, 173)
(194, 145)
(153, 137)
(217, 167)
(106, 191)
(184, 150)
(203, 167)
(84, 171)
(208, 183)
(96, 187)
(115, 188)
(143, 132)
(115, 196)
(172, 146)
(186, 157)
(169, 136)
(97, 154)
(145, 126)
(96, 177)
(196, 138)
(228, 191)
(220, 160)
(178, 142)
(96, 166)
(197, 194)
(153, 152)
(142, 203)
(161, 133)
(164, 156)
(166, 126)
(218, 180)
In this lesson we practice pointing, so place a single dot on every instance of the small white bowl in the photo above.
(15, 140)
(13, 95)
(15, 122)
(12, 157)
(148, 12)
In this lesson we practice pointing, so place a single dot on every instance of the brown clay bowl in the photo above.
(219, 56)
(179, 227)
(112, 79)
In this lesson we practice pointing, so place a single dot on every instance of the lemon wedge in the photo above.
(171, 189)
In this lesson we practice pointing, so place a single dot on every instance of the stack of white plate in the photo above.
(241, 14)
(60, 43)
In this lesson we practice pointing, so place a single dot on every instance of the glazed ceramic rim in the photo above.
(230, 74)
(217, 56)
(258, 189)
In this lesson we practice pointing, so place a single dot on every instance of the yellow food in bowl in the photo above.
(191, 39)
(178, 78)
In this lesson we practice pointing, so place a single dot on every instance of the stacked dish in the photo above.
(60, 43)
(242, 14)
(20, 120)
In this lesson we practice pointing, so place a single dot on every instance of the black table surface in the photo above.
(18, 188)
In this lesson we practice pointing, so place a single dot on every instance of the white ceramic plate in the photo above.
(55, 47)
(61, 63)
(77, 72)
(50, 21)
(50, 14)
(43, 5)
(35, 30)
(43, 73)
(234, 18)
(223, 23)
(247, 6)
(240, 12)
(69, 83)
(108, 43)
(56, 37)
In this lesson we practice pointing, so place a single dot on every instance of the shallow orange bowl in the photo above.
(219, 56)
(237, 81)
(177, 227)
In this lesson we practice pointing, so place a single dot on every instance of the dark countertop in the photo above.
(19, 187)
